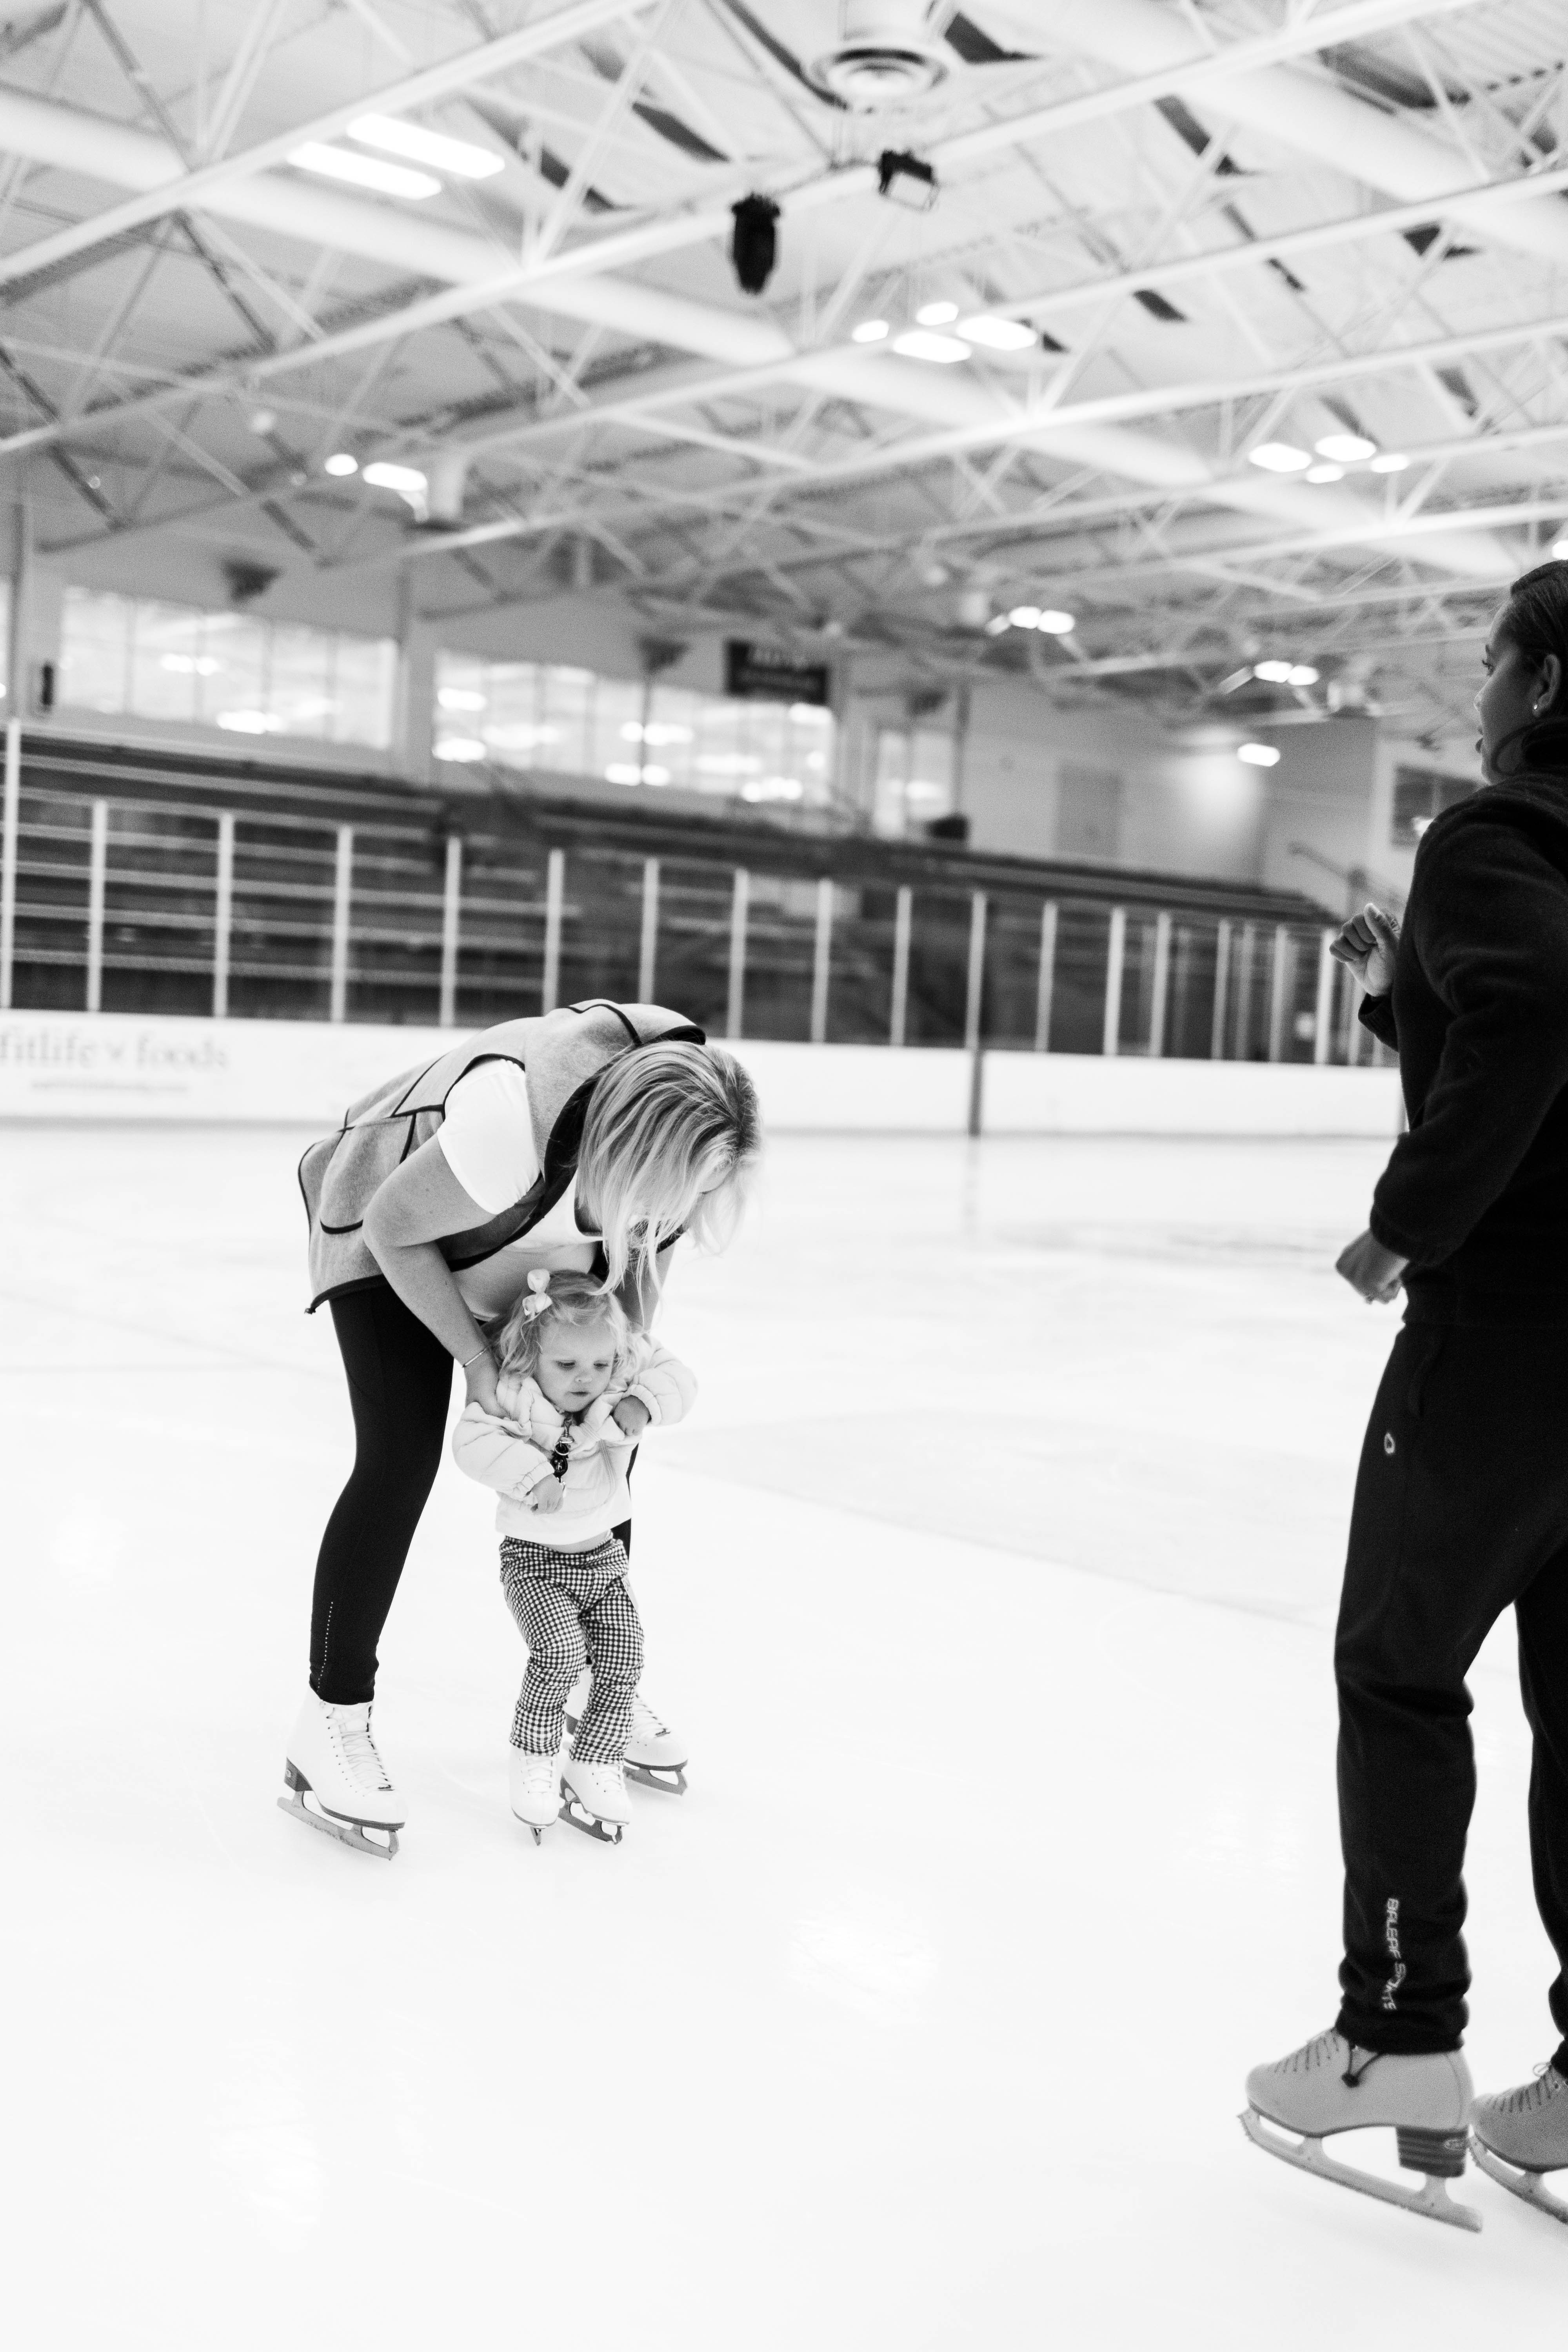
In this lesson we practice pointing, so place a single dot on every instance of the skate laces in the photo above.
(361, 1758)
(645, 1721)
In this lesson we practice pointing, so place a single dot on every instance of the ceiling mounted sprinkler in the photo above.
(885, 55)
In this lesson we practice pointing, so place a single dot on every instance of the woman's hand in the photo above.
(547, 1495)
(1374, 1271)
(631, 1415)
(480, 1384)
(1368, 944)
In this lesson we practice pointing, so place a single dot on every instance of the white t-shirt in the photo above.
(487, 1141)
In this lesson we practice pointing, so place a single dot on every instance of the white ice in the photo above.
(991, 1584)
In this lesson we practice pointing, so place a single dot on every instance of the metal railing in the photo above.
(137, 905)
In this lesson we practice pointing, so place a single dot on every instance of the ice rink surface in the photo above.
(992, 1583)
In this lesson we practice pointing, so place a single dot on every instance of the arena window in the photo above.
(1419, 795)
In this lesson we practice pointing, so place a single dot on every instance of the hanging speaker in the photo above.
(755, 246)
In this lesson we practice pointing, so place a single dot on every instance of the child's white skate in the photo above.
(1328, 2087)
(1516, 2136)
(656, 1757)
(595, 1800)
(337, 1781)
(536, 1784)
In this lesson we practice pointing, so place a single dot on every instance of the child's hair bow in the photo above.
(539, 1285)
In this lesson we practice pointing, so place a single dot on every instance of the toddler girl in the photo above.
(577, 1387)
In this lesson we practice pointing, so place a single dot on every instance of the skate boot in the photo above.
(656, 1757)
(535, 1790)
(1516, 2136)
(595, 1800)
(1328, 2086)
(337, 1781)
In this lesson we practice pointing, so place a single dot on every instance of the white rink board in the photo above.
(120, 1065)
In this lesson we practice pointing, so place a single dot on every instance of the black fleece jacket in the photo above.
(1476, 1194)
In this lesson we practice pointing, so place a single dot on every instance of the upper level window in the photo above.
(1419, 795)
(550, 718)
(121, 655)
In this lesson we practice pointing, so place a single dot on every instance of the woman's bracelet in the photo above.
(466, 1360)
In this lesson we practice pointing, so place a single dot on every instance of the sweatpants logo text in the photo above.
(1391, 1938)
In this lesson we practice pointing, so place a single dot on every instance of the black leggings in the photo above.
(400, 1387)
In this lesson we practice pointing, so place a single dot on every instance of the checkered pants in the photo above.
(574, 1611)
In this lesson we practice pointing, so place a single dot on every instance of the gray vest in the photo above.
(563, 1052)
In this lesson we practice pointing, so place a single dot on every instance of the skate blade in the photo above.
(602, 1833)
(1525, 2186)
(347, 1833)
(670, 1778)
(1307, 2155)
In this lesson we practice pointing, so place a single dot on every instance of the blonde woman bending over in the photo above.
(587, 1142)
(577, 1387)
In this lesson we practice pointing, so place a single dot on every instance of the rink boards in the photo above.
(137, 1066)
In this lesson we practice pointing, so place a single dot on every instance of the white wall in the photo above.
(118, 1066)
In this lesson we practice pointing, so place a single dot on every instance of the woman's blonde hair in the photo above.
(672, 1134)
(572, 1302)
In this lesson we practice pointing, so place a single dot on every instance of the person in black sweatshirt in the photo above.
(1461, 1502)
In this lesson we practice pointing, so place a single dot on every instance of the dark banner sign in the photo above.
(760, 673)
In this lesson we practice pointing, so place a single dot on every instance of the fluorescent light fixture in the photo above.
(459, 697)
(869, 330)
(1273, 673)
(622, 772)
(1560, 550)
(998, 334)
(363, 170)
(997, 625)
(420, 146)
(191, 665)
(1345, 449)
(1024, 616)
(250, 722)
(936, 314)
(1325, 473)
(1278, 457)
(406, 480)
(1393, 461)
(918, 344)
(1258, 755)
(460, 747)
(262, 420)
(340, 463)
(1304, 674)
(1056, 625)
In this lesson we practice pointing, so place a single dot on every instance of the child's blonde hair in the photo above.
(672, 1134)
(553, 1302)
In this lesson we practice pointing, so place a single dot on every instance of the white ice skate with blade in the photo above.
(656, 1757)
(333, 1763)
(1516, 2136)
(595, 1800)
(1328, 2086)
(535, 1782)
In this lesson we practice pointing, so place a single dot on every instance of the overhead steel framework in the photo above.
(1175, 241)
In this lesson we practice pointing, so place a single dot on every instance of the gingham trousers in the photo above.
(574, 1611)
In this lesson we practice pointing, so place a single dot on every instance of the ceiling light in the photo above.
(1056, 625)
(250, 722)
(1345, 449)
(262, 420)
(1304, 674)
(937, 314)
(460, 747)
(1273, 673)
(918, 344)
(406, 480)
(340, 463)
(398, 138)
(364, 170)
(1560, 550)
(1278, 457)
(1325, 473)
(869, 330)
(459, 697)
(905, 179)
(1258, 755)
(998, 334)
(1024, 616)
(997, 625)
(1391, 462)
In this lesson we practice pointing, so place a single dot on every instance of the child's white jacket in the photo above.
(513, 1454)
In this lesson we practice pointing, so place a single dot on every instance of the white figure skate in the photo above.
(595, 1800)
(1516, 2136)
(332, 1763)
(535, 1782)
(1328, 2087)
(656, 1757)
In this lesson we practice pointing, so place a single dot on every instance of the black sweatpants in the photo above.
(1461, 1507)
(400, 1388)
